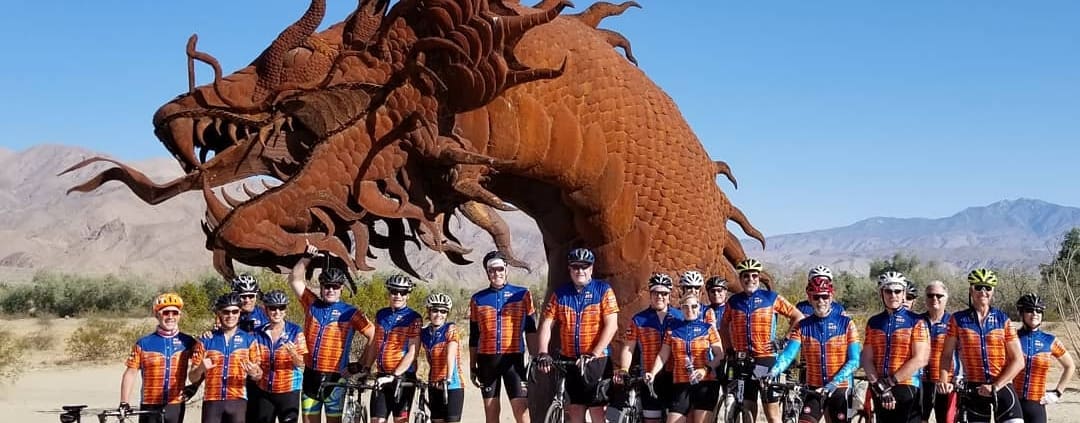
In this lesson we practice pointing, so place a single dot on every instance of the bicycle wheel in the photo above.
(348, 409)
(555, 414)
(421, 417)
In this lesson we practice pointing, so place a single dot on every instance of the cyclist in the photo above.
(644, 338)
(897, 346)
(692, 283)
(251, 315)
(693, 348)
(805, 306)
(587, 314)
(749, 330)
(1040, 348)
(397, 333)
(442, 348)
(163, 358)
(830, 347)
(911, 295)
(937, 321)
(231, 357)
(718, 296)
(329, 326)
(283, 349)
(499, 316)
(990, 353)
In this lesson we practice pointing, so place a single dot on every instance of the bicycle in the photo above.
(730, 407)
(352, 409)
(422, 404)
(556, 412)
(861, 404)
(792, 398)
(73, 414)
(633, 412)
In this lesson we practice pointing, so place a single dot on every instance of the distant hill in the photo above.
(111, 231)
(1012, 233)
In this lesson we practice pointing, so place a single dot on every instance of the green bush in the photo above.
(104, 340)
(62, 294)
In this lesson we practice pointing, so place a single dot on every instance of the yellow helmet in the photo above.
(168, 299)
(982, 277)
(749, 265)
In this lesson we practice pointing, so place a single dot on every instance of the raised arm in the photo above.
(298, 278)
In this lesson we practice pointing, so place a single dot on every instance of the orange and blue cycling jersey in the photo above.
(225, 381)
(648, 331)
(394, 330)
(580, 314)
(717, 310)
(498, 318)
(892, 337)
(163, 362)
(280, 374)
(328, 330)
(707, 315)
(690, 344)
(981, 346)
(751, 321)
(436, 343)
(829, 346)
(937, 344)
(1040, 350)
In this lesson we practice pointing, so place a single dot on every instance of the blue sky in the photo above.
(828, 111)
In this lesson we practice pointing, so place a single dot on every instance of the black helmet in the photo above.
(716, 282)
(231, 299)
(333, 276)
(1030, 300)
(581, 255)
(660, 280)
(912, 289)
(245, 284)
(276, 298)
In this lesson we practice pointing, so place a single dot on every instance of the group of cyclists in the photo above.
(257, 367)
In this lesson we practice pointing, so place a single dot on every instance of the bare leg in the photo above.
(576, 413)
(772, 412)
(521, 409)
(676, 418)
(596, 414)
(492, 409)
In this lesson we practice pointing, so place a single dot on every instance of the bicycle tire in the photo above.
(555, 414)
(421, 417)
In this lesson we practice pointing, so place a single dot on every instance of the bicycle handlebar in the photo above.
(637, 382)
(122, 414)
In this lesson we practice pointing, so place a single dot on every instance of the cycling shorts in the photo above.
(816, 405)
(224, 411)
(907, 407)
(699, 396)
(174, 413)
(495, 369)
(1034, 412)
(312, 403)
(449, 408)
(282, 407)
(583, 390)
(1005, 407)
(752, 386)
(383, 403)
(653, 407)
(932, 402)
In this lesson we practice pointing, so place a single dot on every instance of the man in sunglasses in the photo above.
(251, 315)
(587, 314)
(937, 321)
(912, 295)
(749, 329)
(829, 345)
(645, 336)
(806, 307)
(231, 357)
(499, 317)
(329, 326)
(397, 334)
(897, 346)
(990, 353)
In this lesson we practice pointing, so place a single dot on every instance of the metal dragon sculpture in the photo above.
(376, 130)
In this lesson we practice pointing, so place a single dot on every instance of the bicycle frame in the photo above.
(73, 414)
(422, 404)
(352, 407)
(791, 399)
(556, 412)
(735, 391)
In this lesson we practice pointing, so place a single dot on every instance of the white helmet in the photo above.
(692, 279)
(819, 271)
(892, 278)
(439, 300)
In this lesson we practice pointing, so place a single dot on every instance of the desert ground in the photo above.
(48, 382)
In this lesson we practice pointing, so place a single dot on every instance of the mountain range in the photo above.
(112, 231)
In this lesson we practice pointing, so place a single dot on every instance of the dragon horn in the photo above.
(294, 35)
(515, 26)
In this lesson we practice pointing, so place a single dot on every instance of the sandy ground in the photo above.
(46, 384)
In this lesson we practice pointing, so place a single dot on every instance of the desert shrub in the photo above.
(39, 340)
(11, 351)
(63, 294)
(104, 339)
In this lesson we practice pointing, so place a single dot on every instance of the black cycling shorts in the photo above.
(495, 369)
(383, 402)
(1006, 406)
(583, 390)
(699, 396)
(284, 407)
(907, 406)
(449, 408)
(816, 405)
(224, 411)
(752, 386)
(932, 402)
(174, 413)
(1034, 412)
(651, 406)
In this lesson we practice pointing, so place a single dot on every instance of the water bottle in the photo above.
(690, 371)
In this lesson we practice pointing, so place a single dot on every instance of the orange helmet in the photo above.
(168, 299)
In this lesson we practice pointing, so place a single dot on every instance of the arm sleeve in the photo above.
(474, 334)
(787, 356)
(854, 351)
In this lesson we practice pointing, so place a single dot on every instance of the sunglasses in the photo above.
(690, 288)
(893, 291)
(275, 308)
(170, 313)
(661, 293)
(580, 266)
(821, 297)
(230, 311)
(935, 296)
(717, 291)
(1031, 310)
(496, 269)
(692, 307)
(399, 292)
(911, 297)
(750, 275)
(247, 296)
(332, 287)
(984, 288)
(438, 311)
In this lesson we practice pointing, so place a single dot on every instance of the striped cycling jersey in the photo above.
(937, 344)
(1040, 350)
(394, 330)
(707, 315)
(225, 380)
(893, 337)
(690, 344)
(500, 315)
(807, 309)
(163, 362)
(717, 311)
(328, 330)
(436, 343)
(828, 345)
(751, 321)
(648, 331)
(580, 314)
(280, 374)
(981, 346)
